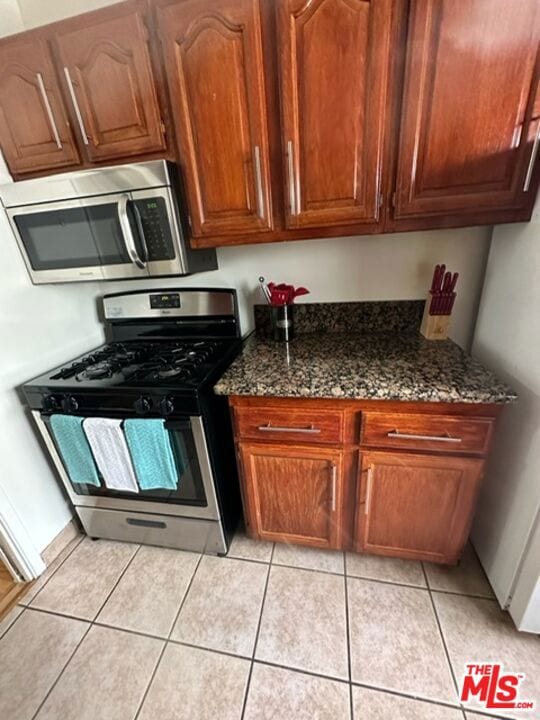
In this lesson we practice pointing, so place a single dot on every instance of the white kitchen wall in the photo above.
(40, 327)
(383, 267)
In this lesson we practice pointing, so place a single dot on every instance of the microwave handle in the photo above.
(140, 228)
(129, 240)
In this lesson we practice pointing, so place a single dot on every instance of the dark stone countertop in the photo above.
(362, 366)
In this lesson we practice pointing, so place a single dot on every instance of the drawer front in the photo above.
(426, 432)
(289, 425)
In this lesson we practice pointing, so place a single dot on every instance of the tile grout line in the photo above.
(348, 630)
(70, 553)
(443, 640)
(250, 673)
(167, 640)
(90, 626)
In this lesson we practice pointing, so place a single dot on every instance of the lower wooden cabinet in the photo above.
(415, 506)
(293, 494)
(395, 479)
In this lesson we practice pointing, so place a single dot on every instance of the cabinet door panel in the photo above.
(334, 61)
(34, 130)
(466, 133)
(213, 56)
(109, 66)
(293, 494)
(416, 506)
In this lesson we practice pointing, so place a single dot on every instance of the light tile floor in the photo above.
(114, 631)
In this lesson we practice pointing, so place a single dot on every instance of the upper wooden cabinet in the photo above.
(334, 64)
(34, 130)
(105, 66)
(213, 56)
(467, 138)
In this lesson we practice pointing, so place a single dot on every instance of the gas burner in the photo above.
(99, 370)
(170, 371)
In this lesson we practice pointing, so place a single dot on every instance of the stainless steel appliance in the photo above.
(166, 349)
(103, 224)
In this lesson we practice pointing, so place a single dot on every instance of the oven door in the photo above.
(93, 238)
(194, 497)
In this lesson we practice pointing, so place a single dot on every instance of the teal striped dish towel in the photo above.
(151, 454)
(74, 449)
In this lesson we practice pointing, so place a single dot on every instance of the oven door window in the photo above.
(72, 237)
(190, 489)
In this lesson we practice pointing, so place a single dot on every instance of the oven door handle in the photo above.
(177, 425)
(127, 233)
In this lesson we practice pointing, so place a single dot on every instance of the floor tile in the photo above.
(247, 549)
(395, 641)
(106, 678)
(303, 622)
(195, 684)
(8, 620)
(375, 705)
(309, 558)
(222, 608)
(32, 655)
(468, 577)
(38, 584)
(278, 693)
(376, 567)
(477, 630)
(149, 595)
(81, 585)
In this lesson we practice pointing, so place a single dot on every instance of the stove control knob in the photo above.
(166, 406)
(142, 405)
(52, 403)
(69, 404)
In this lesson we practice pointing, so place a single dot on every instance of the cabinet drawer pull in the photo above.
(76, 106)
(433, 438)
(277, 428)
(334, 480)
(292, 183)
(258, 177)
(368, 489)
(534, 152)
(49, 111)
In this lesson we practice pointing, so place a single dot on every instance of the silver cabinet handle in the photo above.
(292, 184)
(532, 159)
(368, 489)
(334, 481)
(276, 428)
(127, 233)
(80, 120)
(49, 111)
(258, 176)
(433, 438)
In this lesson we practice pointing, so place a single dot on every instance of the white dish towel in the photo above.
(111, 453)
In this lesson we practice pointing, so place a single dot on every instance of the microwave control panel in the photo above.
(152, 215)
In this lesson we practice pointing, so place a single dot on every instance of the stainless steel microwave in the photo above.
(103, 224)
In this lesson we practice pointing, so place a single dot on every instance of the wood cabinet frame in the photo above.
(356, 452)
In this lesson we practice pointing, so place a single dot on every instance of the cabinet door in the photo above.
(105, 65)
(334, 62)
(213, 58)
(468, 124)
(293, 494)
(416, 506)
(34, 130)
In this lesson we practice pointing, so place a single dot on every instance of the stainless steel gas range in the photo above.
(166, 349)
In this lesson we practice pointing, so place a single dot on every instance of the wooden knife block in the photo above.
(434, 327)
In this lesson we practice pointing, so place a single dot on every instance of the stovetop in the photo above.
(163, 364)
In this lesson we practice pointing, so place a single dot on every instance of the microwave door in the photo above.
(74, 240)
(122, 249)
